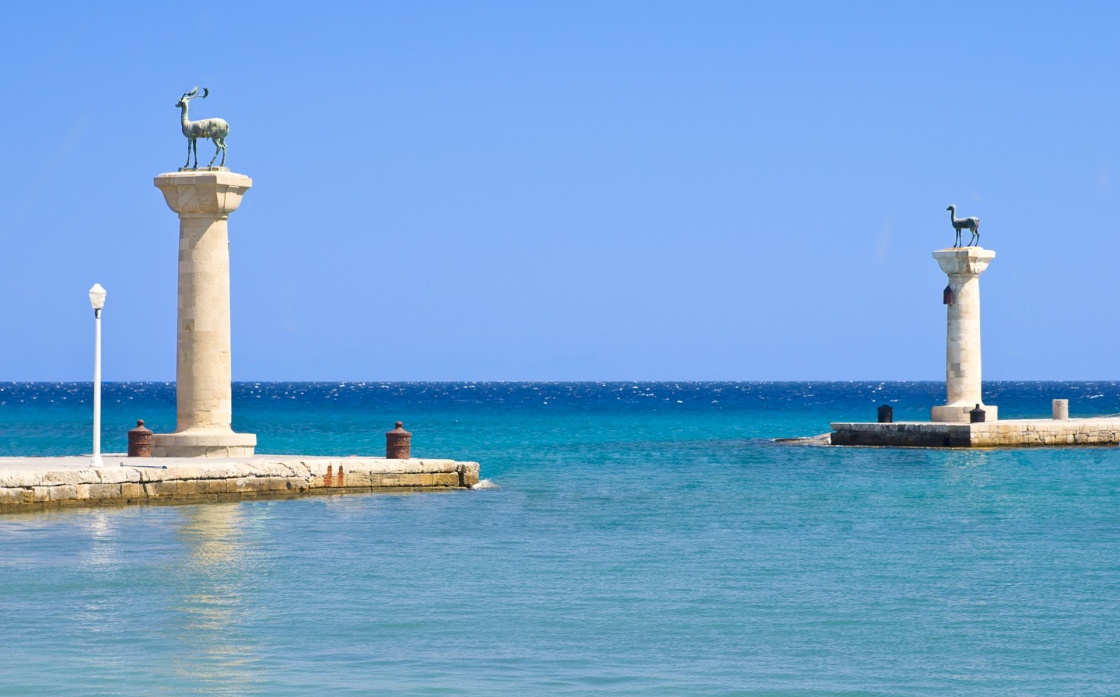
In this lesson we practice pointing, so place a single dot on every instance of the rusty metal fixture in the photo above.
(140, 440)
(976, 416)
(398, 443)
(341, 477)
(886, 414)
(328, 480)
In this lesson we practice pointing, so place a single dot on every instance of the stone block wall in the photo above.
(1016, 433)
(29, 489)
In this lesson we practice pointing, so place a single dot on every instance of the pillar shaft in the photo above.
(963, 390)
(203, 366)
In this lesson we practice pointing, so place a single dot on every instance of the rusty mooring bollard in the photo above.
(398, 443)
(886, 414)
(328, 480)
(341, 477)
(140, 441)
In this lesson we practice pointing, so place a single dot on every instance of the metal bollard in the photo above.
(398, 443)
(886, 414)
(976, 416)
(140, 441)
(1060, 409)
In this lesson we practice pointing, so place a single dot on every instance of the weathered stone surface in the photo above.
(71, 477)
(449, 479)
(963, 266)
(468, 473)
(203, 201)
(29, 482)
(104, 491)
(1007, 433)
(220, 446)
(20, 479)
(358, 478)
(114, 475)
(63, 492)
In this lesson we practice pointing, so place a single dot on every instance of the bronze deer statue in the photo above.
(214, 129)
(970, 224)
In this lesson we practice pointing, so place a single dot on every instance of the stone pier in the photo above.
(963, 266)
(1010, 433)
(950, 425)
(36, 483)
(204, 403)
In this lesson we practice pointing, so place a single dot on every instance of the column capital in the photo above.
(203, 192)
(964, 261)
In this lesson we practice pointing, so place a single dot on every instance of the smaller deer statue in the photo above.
(970, 224)
(214, 129)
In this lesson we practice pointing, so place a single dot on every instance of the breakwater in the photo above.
(1010, 433)
(30, 483)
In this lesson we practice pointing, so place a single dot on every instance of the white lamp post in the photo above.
(97, 301)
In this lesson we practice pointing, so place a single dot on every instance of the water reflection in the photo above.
(211, 606)
(104, 549)
(99, 613)
(969, 467)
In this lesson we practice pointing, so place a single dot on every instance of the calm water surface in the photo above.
(645, 539)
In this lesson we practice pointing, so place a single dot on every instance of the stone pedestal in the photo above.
(204, 403)
(963, 265)
(1060, 409)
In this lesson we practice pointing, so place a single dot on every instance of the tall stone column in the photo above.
(204, 403)
(963, 265)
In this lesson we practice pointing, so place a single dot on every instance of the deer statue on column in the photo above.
(214, 129)
(959, 224)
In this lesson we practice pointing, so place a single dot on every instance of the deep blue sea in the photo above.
(643, 539)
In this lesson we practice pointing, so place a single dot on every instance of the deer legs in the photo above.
(190, 144)
(975, 237)
(220, 143)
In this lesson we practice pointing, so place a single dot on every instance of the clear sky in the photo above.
(568, 190)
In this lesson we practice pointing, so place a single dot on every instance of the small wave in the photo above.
(485, 484)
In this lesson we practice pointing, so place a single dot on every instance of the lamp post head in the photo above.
(97, 298)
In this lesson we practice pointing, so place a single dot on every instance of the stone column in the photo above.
(963, 265)
(204, 404)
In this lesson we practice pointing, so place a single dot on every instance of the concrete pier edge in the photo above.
(36, 483)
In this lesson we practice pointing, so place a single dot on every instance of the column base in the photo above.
(959, 415)
(204, 444)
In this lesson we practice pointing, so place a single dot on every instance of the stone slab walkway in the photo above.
(30, 483)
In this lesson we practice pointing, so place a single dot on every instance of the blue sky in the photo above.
(569, 190)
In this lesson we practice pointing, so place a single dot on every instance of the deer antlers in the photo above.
(194, 93)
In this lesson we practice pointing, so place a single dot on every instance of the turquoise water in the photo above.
(645, 539)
